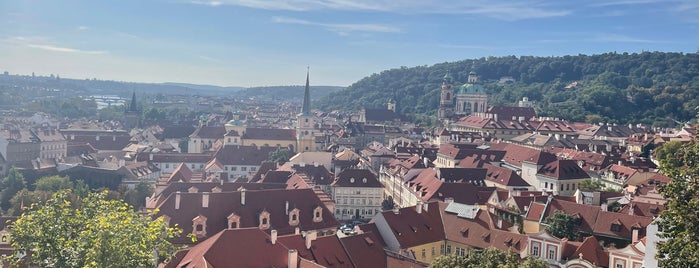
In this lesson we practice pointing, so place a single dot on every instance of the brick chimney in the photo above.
(273, 236)
(310, 236)
(293, 258)
(177, 200)
(205, 200)
(242, 196)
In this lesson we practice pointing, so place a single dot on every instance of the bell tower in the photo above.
(305, 134)
(446, 99)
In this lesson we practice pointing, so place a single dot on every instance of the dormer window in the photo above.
(199, 226)
(318, 214)
(264, 220)
(233, 221)
(294, 217)
(616, 227)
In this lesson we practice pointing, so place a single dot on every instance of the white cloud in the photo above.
(83, 28)
(341, 28)
(500, 9)
(64, 49)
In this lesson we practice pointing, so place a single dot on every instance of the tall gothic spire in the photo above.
(306, 110)
(133, 102)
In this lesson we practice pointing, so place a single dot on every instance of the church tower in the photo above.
(446, 100)
(132, 115)
(305, 135)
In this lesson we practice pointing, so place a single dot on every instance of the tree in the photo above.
(591, 185)
(88, 232)
(13, 183)
(388, 203)
(678, 223)
(487, 258)
(280, 155)
(666, 155)
(53, 183)
(563, 225)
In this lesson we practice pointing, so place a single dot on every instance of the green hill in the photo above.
(650, 87)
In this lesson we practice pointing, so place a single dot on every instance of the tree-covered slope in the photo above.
(649, 87)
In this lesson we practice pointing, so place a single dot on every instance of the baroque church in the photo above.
(470, 98)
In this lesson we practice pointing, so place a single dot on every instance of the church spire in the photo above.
(306, 110)
(133, 102)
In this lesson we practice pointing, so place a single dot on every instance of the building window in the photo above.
(243, 168)
(448, 249)
(535, 249)
(424, 253)
(234, 168)
(442, 249)
(552, 254)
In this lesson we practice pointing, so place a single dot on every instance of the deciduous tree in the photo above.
(89, 232)
(563, 225)
(679, 222)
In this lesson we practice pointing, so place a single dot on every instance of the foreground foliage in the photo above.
(488, 258)
(679, 222)
(94, 231)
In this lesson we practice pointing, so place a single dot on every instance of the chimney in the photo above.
(293, 258)
(273, 236)
(205, 200)
(242, 196)
(425, 207)
(396, 210)
(634, 235)
(177, 200)
(631, 209)
(310, 236)
(448, 200)
(150, 156)
(287, 208)
(499, 223)
(418, 207)
(604, 207)
(297, 230)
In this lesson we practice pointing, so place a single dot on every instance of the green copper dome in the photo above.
(472, 89)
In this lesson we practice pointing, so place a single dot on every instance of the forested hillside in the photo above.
(651, 87)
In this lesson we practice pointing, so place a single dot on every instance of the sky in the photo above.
(272, 42)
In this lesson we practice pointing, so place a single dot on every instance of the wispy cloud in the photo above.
(83, 28)
(64, 49)
(341, 28)
(206, 58)
(461, 46)
(620, 38)
(500, 9)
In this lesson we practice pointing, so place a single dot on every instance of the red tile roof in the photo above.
(563, 170)
(223, 204)
(207, 132)
(269, 134)
(413, 229)
(365, 250)
(248, 247)
(625, 223)
(357, 178)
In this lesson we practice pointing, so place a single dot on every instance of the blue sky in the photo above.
(258, 43)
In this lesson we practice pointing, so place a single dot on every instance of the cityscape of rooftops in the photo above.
(349, 133)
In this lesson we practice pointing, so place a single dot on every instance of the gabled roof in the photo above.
(357, 178)
(249, 247)
(365, 250)
(243, 155)
(504, 176)
(413, 229)
(625, 222)
(587, 213)
(223, 204)
(591, 251)
(563, 170)
(207, 132)
(327, 251)
(269, 134)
